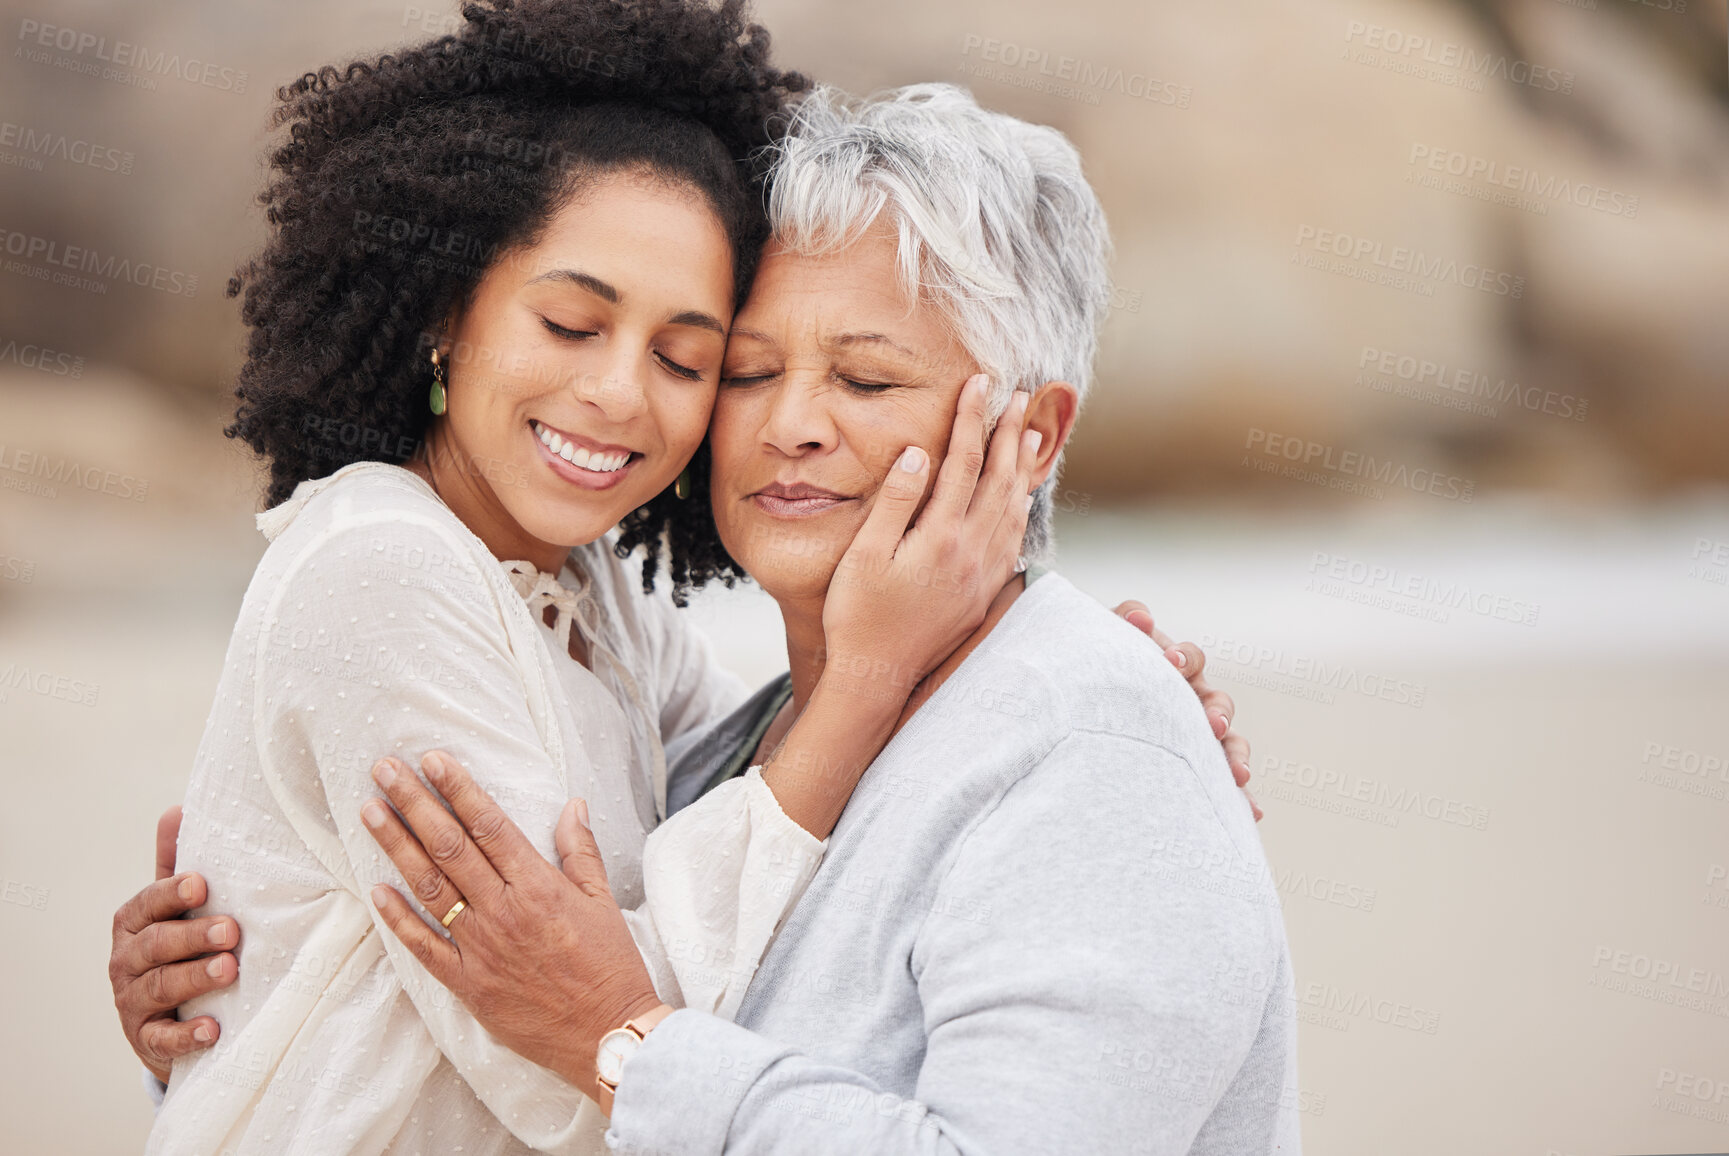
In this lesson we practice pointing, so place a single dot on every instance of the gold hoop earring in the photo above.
(439, 402)
(681, 487)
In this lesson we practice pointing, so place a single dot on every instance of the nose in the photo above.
(614, 387)
(799, 420)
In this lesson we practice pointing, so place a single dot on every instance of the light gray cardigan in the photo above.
(1045, 924)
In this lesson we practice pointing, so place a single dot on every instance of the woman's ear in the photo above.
(1052, 412)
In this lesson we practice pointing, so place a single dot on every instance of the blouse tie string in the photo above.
(541, 590)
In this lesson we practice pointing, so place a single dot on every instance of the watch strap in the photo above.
(639, 1027)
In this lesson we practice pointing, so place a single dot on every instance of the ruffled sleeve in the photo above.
(719, 879)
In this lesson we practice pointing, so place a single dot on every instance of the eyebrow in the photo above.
(846, 339)
(698, 319)
(584, 280)
(695, 318)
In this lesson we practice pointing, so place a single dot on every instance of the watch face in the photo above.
(616, 1047)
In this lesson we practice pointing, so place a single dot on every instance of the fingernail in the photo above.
(912, 459)
(185, 890)
(372, 813)
(433, 765)
(1022, 397)
(1177, 657)
(218, 935)
(582, 813)
(203, 1034)
(380, 893)
(384, 774)
(978, 382)
(1035, 439)
(213, 969)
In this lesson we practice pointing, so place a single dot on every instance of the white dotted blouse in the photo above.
(377, 624)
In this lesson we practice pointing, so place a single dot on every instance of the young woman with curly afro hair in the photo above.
(486, 330)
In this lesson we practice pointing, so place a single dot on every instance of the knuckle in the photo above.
(445, 846)
(488, 826)
(175, 1041)
(145, 953)
(426, 954)
(155, 984)
(427, 884)
(148, 1042)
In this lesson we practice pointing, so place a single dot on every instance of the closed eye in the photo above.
(558, 330)
(748, 379)
(683, 371)
(866, 386)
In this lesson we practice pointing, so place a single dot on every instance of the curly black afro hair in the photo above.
(404, 177)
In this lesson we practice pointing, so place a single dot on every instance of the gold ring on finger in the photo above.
(454, 912)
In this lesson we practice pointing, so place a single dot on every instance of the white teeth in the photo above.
(591, 460)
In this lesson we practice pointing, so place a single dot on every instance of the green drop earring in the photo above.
(439, 402)
(681, 485)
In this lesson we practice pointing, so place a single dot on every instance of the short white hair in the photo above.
(997, 225)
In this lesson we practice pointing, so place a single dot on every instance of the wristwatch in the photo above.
(616, 1047)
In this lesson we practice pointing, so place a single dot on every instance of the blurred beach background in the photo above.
(1412, 409)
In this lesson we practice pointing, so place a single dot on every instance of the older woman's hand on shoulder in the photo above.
(543, 958)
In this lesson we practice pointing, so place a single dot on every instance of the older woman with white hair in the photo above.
(1044, 922)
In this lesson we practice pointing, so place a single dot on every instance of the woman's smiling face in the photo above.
(583, 369)
(830, 372)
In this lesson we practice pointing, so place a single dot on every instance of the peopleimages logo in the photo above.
(86, 50)
(1353, 469)
(1089, 75)
(1661, 980)
(1395, 800)
(1518, 178)
(29, 355)
(1398, 266)
(36, 145)
(1409, 52)
(58, 257)
(1378, 578)
(48, 685)
(39, 474)
(1259, 663)
(1456, 387)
